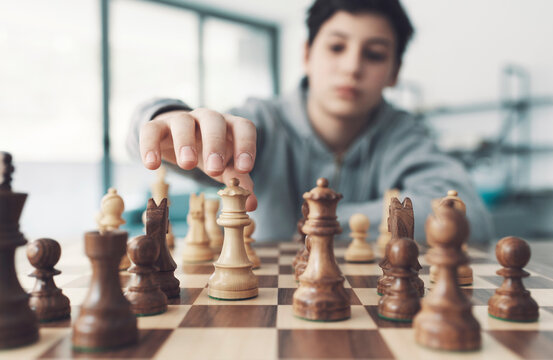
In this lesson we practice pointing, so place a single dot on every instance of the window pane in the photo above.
(237, 63)
(153, 54)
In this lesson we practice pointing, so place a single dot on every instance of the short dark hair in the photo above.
(322, 10)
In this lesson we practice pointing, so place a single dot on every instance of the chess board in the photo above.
(198, 327)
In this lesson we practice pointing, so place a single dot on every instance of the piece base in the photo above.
(232, 295)
(150, 314)
(511, 320)
(395, 320)
(321, 320)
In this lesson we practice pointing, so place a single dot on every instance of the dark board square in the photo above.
(478, 296)
(353, 299)
(527, 344)
(288, 252)
(382, 323)
(483, 260)
(149, 342)
(285, 269)
(532, 282)
(267, 281)
(187, 296)
(268, 260)
(230, 316)
(285, 296)
(332, 344)
(363, 281)
(198, 269)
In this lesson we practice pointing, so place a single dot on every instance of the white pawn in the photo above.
(110, 218)
(248, 240)
(196, 245)
(359, 250)
(213, 230)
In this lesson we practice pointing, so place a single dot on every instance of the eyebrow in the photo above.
(374, 40)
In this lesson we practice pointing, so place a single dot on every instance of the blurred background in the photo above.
(478, 73)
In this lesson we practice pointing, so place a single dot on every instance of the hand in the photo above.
(221, 145)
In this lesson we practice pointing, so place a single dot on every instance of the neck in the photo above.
(336, 132)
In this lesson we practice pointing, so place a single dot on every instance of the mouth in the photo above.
(347, 92)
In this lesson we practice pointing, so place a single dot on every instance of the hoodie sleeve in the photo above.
(411, 162)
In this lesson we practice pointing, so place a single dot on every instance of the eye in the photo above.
(336, 48)
(374, 55)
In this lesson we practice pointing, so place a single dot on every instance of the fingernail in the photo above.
(214, 162)
(244, 162)
(187, 154)
(151, 157)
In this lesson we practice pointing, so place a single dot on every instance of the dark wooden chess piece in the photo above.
(511, 300)
(401, 301)
(18, 323)
(157, 218)
(302, 256)
(445, 321)
(401, 224)
(144, 293)
(105, 321)
(47, 300)
(321, 294)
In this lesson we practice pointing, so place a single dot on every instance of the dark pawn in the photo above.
(401, 301)
(511, 300)
(144, 293)
(157, 222)
(18, 323)
(105, 321)
(47, 301)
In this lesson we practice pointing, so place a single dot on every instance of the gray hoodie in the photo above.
(394, 151)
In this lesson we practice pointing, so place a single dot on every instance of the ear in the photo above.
(306, 53)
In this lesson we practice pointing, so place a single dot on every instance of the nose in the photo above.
(352, 62)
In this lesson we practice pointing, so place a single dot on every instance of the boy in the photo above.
(336, 125)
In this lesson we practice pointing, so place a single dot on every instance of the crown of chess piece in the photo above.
(18, 323)
(511, 300)
(445, 321)
(464, 272)
(401, 301)
(384, 234)
(47, 300)
(401, 224)
(160, 190)
(214, 232)
(233, 278)
(110, 218)
(248, 240)
(196, 244)
(359, 250)
(157, 221)
(105, 321)
(144, 293)
(321, 294)
(302, 256)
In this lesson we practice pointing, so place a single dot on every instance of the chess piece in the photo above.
(321, 294)
(18, 323)
(385, 235)
(196, 243)
(401, 223)
(248, 240)
(105, 321)
(156, 228)
(144, 293)
(445, 321)
(302, 256)
(464, 272)
(110, 218)
(160, 191)
(511, 300)
(233, 278)
(47, 300)
(401, 301)
(359, 250)
(213, 230)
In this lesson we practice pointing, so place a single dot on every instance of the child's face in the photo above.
(351, 60)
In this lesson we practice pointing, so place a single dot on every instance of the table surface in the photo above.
(198, 327)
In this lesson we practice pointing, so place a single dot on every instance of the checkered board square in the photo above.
(198, 327)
